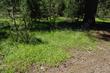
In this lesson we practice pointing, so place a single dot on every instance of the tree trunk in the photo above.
(90, 12)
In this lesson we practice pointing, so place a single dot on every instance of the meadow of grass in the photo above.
(18, 57)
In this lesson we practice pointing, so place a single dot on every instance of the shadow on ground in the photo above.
(46, 26)
(102, 28)
(102, 31)
(3, 35)
(3, 28)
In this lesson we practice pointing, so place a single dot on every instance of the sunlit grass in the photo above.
(67, 38)
(51, 52)
(58, 19)
(103, 19)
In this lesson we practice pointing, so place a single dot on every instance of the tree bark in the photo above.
(90, 12)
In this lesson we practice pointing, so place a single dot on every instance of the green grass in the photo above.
(52, 52)
(58, 19)
(103, 19)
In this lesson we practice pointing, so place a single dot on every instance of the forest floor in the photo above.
(85, 61)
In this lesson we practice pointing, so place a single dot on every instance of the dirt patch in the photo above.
(86, 62)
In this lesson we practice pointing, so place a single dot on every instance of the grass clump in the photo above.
(69, 39)
(52, 52)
